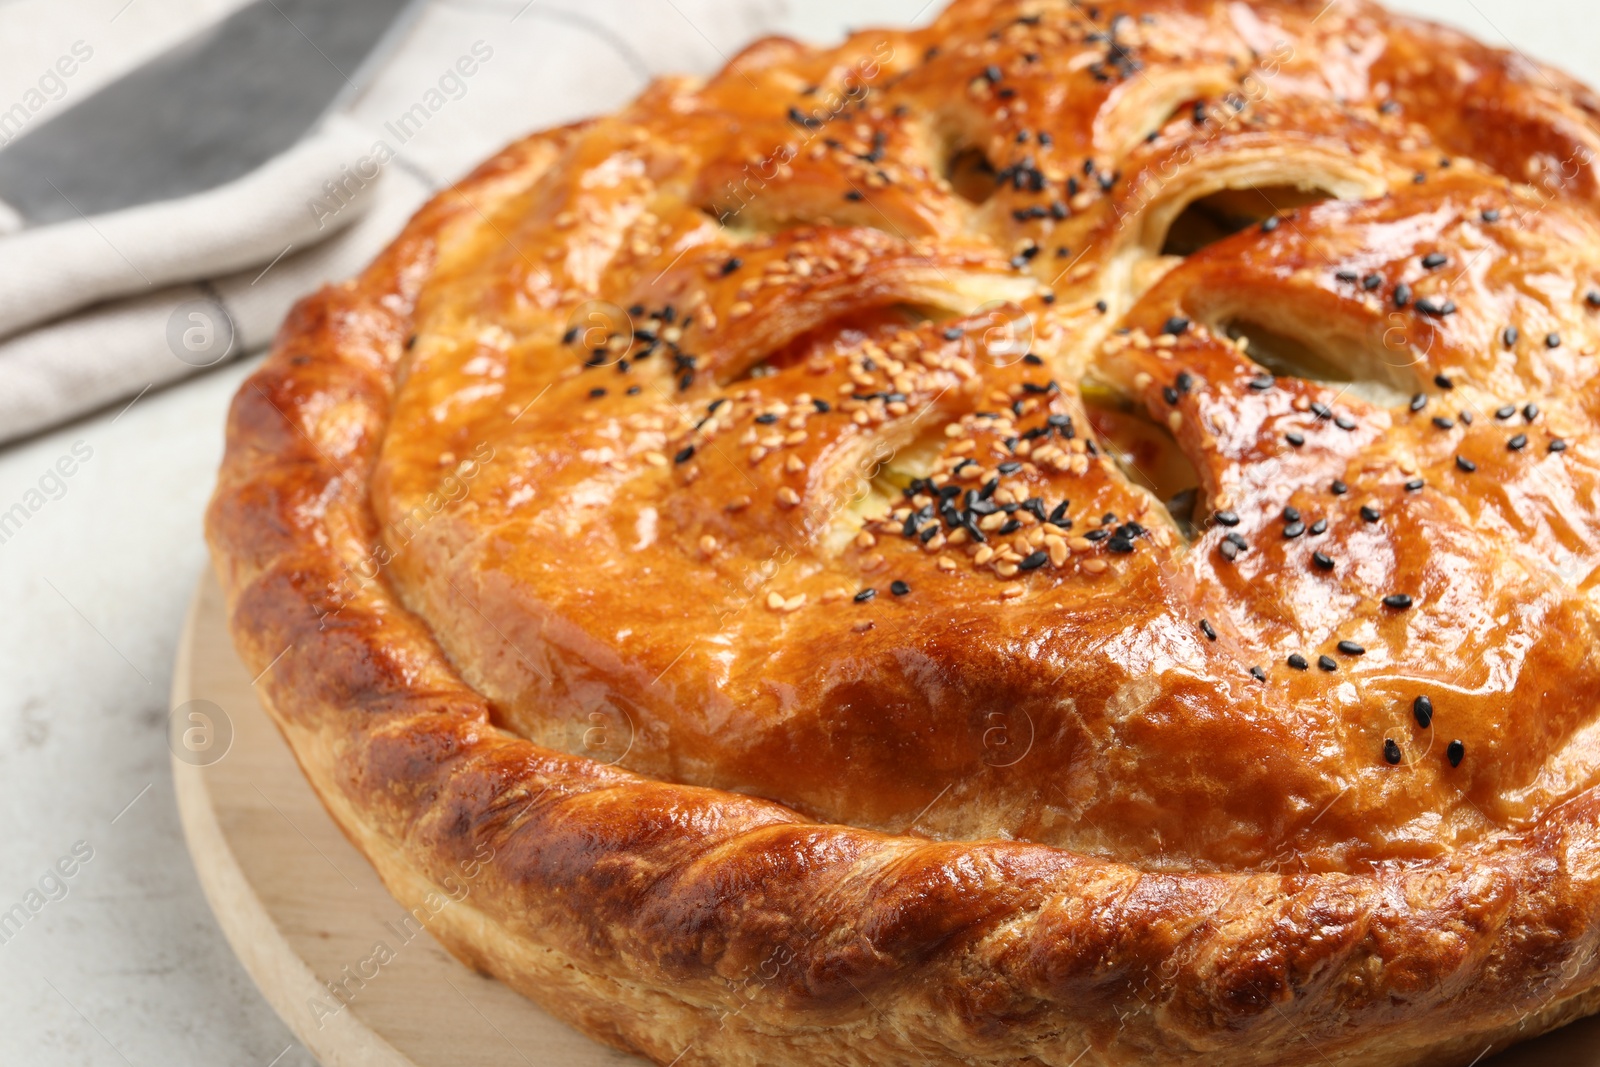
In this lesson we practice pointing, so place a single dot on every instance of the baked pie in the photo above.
(1067, 536)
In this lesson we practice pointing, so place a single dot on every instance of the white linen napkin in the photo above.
(96, 311)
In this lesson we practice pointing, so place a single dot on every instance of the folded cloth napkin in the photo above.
(101, 310)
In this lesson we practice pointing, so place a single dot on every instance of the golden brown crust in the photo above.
(1064, 796)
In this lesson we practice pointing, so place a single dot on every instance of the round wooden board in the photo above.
(302, 908)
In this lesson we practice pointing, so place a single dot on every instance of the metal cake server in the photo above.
(208, 110)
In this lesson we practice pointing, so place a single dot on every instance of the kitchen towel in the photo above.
(98, 311)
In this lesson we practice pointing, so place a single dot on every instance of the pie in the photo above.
(1066, 536)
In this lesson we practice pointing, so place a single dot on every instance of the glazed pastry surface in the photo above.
(1069, 535)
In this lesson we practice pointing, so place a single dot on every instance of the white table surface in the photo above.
(128, 967)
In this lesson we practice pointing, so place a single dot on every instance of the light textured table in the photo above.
(128, 967)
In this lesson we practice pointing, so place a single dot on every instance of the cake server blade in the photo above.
(206, 111)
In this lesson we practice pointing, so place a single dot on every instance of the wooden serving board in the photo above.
(302, 908)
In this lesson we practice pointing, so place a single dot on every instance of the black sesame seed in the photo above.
(899, 588)
(1505, 412)
(1444, 423)
(1293, 530)
(1176, 325)
(1034, 561)
(634, 390)
(1419, 401)
(1294, 438)
(1327, 663)
(1297, 661)
(1397, 601)
(1322, 560)
(1338, 488)
(1415, 484)
(1229, 550)
(1371, 282)
(1490, 215)
(1320, 526)
(1454, 752)
(1271, 224)
(1228, 518)
(953, 333)
(1370, 513)
(1209, 630)
(1346, 275)
(685, 455)
(1422, 708)
(865, 595)
(1350, 648)
(1118, 544)
(1258, 674)
(1509, 336)
(1291, 514)
(1593, 298)
(1434, 260)
(1429, 306)
(1101, 306)
(732, 265)
(1402, 295)
(1391, 751)
(1321, 410)
(822, 406)
(1184, 381)
(1443, 381)
(1344, 422)
(1530, 412)
(1169, 394)
(1466, 465)
(1558, 445)
(1261, 383)
(767, 418)
(1518, 443)
(1552, 340)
